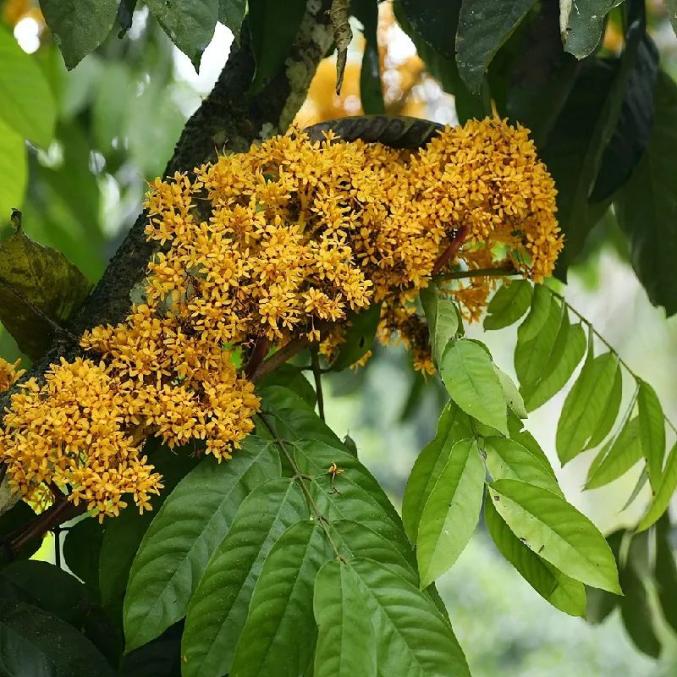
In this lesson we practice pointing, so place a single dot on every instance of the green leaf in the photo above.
(664, 492)
(17, 517)
(610, 413)
(289, 376)
(13, 171)
(36, 282)
(582, 24)
(443, 320)
(347, 638)
(81, 549)
(274, 26)
(359, 337)
(432, 21)
(279, 634)
(451, 512)
(666, 573)
(508, 304)
(651, 431)
(585, 405)
(599, 602)
(191, 524)
(218, 609)
(35, 643)
(231, 14)
(28, 103)
(532, 354)
(483, 27)
(561, 591)
(453, 426)
(412, 637)
(371, 93)
(468, 374)
(79, 26)
(507, 459)
(557, 532)
(511, 394)
(353, 494)
(646, 207)
(617, 457)
(189, 24)
(541, 299)
(567, 352)
(123, 535)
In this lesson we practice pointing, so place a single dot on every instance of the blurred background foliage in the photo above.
(111, 124)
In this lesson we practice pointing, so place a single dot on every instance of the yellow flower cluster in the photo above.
(9, 373)
(260, 248)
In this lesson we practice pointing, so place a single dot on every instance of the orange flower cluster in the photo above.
(260, 248)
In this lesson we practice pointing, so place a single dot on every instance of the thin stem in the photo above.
(504, 271)
(611, 349)
(300, 477)
(317, 375)
(279, 357)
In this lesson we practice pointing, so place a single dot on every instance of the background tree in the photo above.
(76, 147)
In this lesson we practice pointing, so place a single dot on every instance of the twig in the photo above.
(279, 357)
(504, 271)
(317, 375)
(452, 249)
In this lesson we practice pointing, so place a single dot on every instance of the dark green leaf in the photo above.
(582, 24)
(539, 313)
(451, 512)
(666, 573)
(651, 431)
(218, 609)
(371, 93)
(432, 21)
(610, 413)
(291, 377)
(412, 637)
(469, 376)
(189, 526)
(123, 535)
(160, 658)
(507, 459)
(599, 602)
(359, 337)
(28, 105)
(508, 304)
(81, 549)
(617, 457)
(561, 591)
(79, 26)
(231, 14)
(13, 171)
(274, 26)
(557, 532)
(646, 207)
(443, 320)
(279, 635)
(482, 28)
(453, 426)
(585, 405)
(664, 492)
(35, 643)
(189, 24)
(36, 283)
(347, 637)
(125, 16)
(16, 518)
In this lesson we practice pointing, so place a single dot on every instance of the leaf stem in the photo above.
(317, 375)
(503, 271)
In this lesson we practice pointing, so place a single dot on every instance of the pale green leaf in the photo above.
(511, 394)
(608, 418)
(79, 26)
(451, 512)
(585, 405)
(507, 459)
(561, 591)
(539, 312)
(508, 304)
(412, 637)
(664, 492)
(13, 171)
(617, 457)
(557, 532)
(651, 431)
(443, 320)
(279, 635)
(453, 426)
(347, 637)
(218, 609)
(469, 376)
(186, 531)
